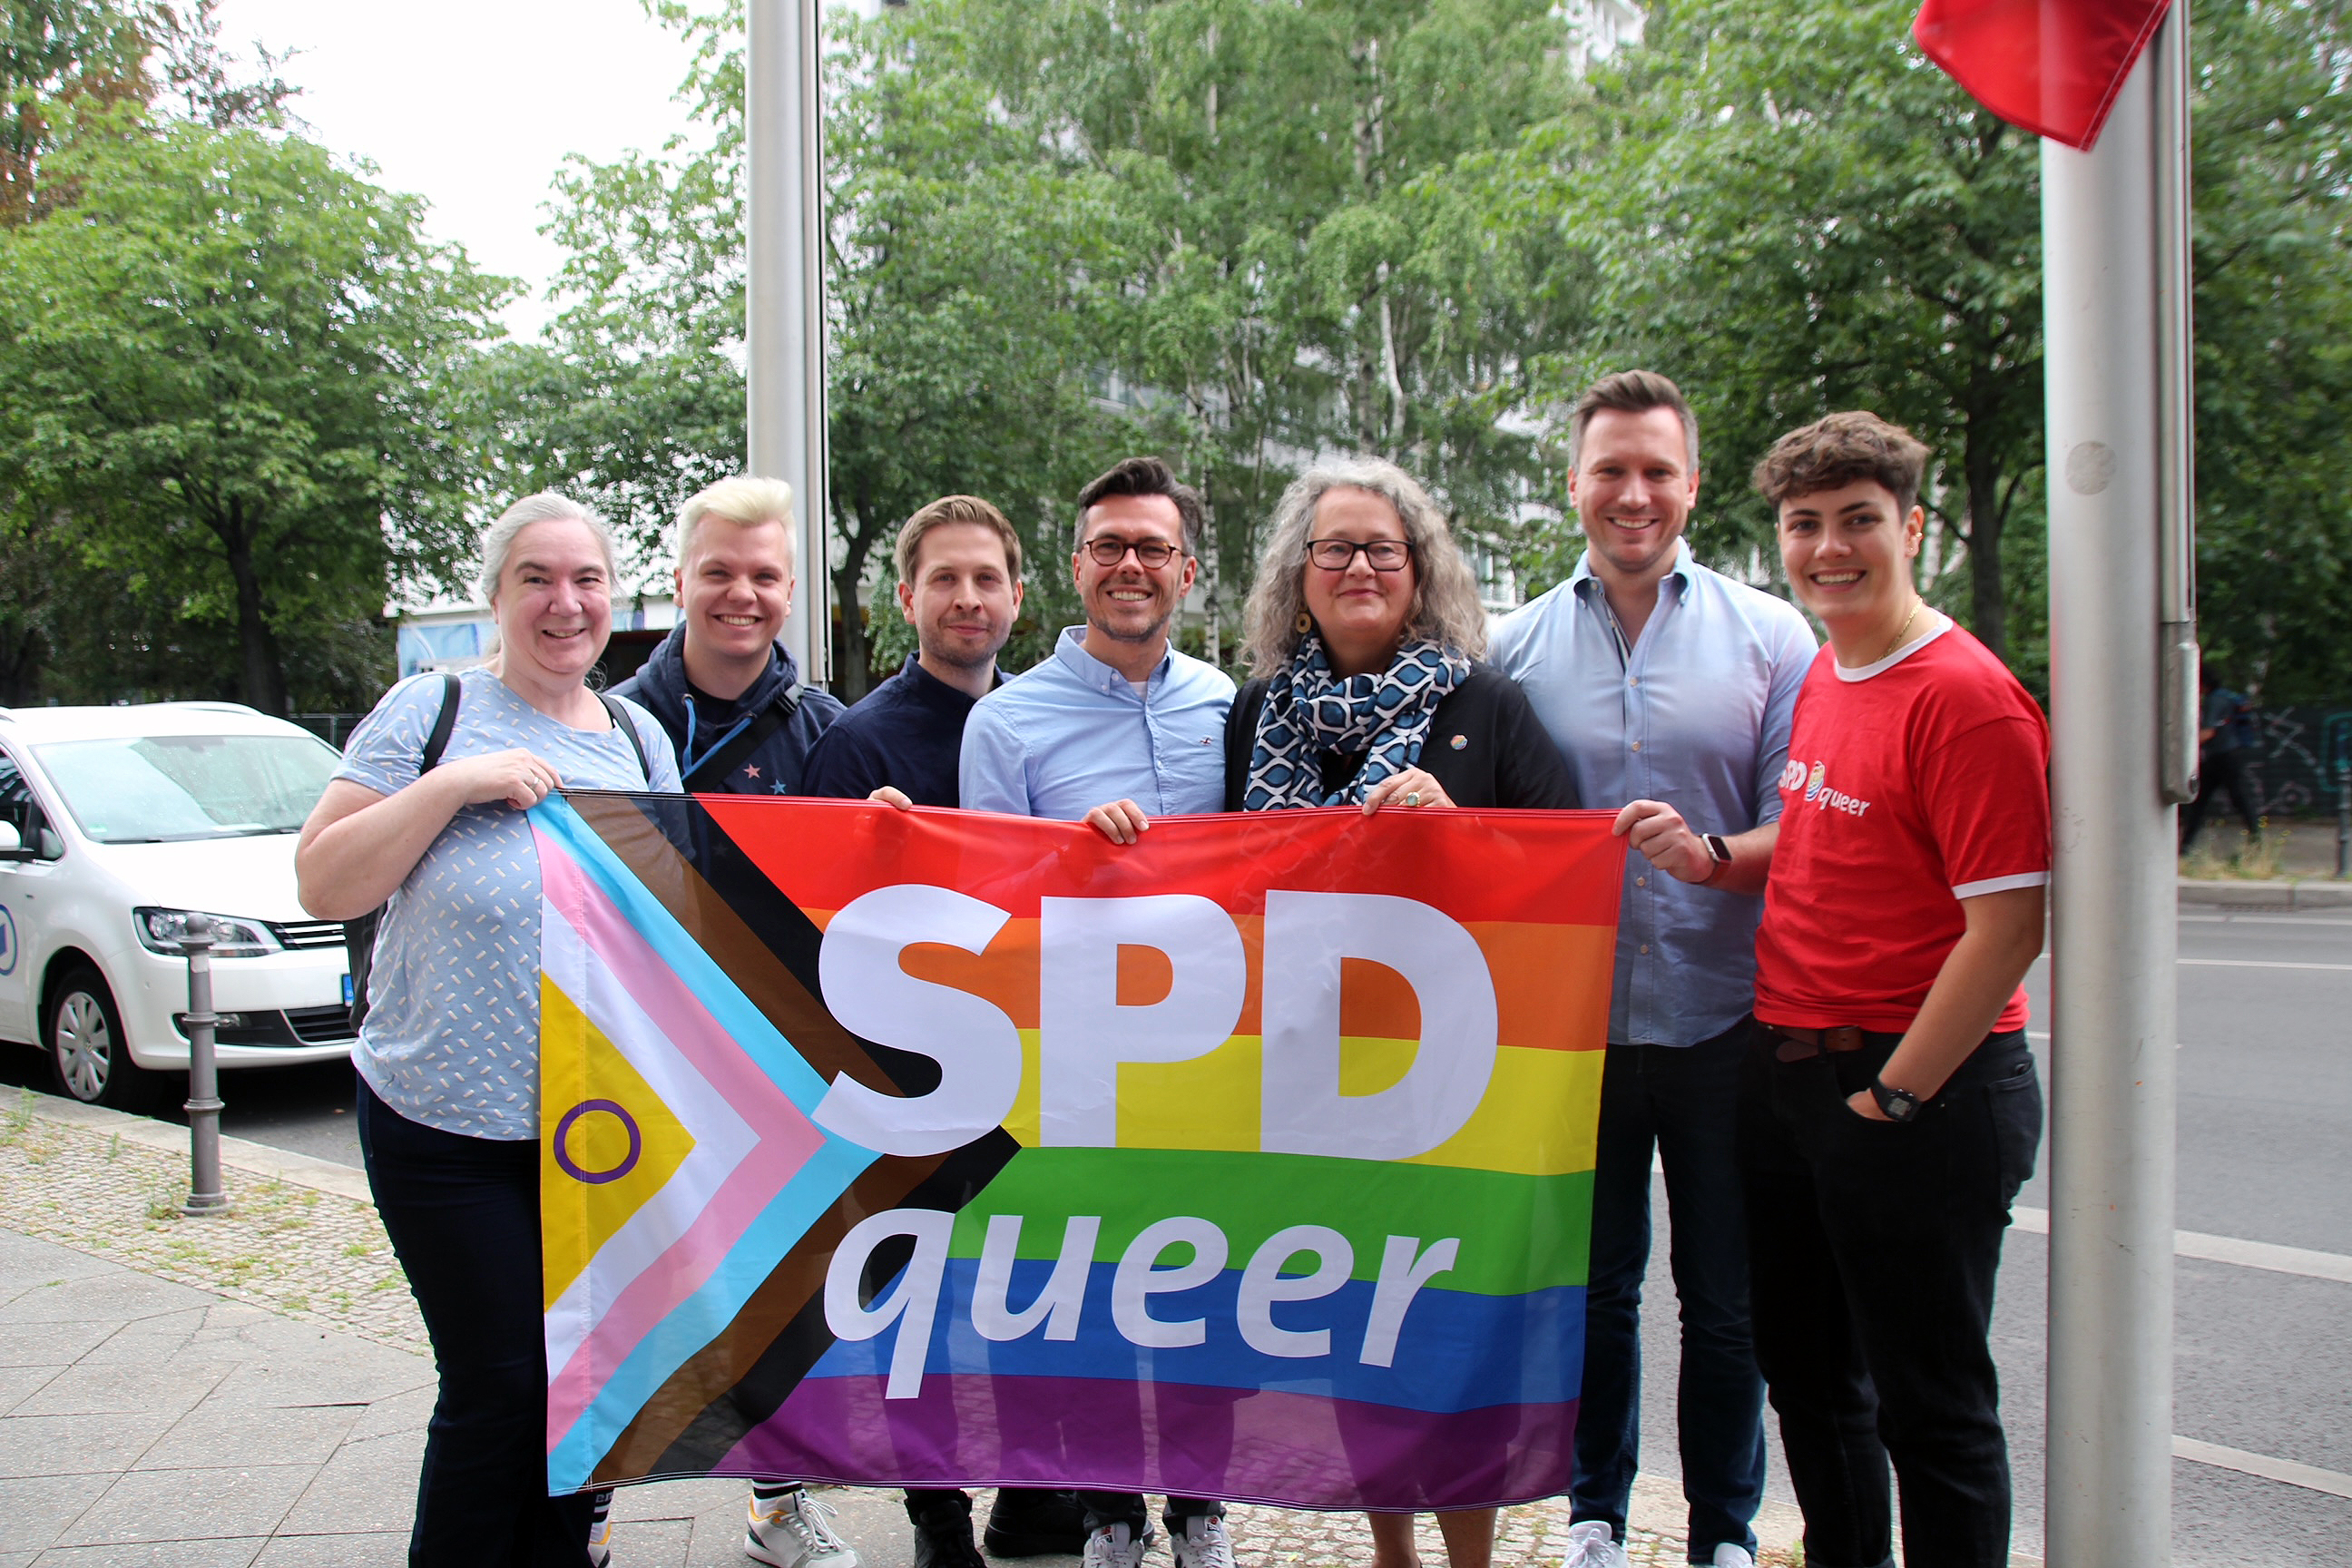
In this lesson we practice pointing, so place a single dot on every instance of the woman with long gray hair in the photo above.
(1364, 631)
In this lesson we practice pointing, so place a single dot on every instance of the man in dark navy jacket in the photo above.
(959, 587)
(728, 694)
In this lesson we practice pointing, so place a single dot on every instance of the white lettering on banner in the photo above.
(1403, 1271)
(869, 993)
(1136, 1281)
(912, 1303)
(1306, 937)
(1263, 1284)
(1083, 1034)
(1057, 1305)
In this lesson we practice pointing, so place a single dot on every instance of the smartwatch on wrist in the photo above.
(1719, 851)
(1896, 1104)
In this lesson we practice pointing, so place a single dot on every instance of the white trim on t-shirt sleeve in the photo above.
(2001, 884)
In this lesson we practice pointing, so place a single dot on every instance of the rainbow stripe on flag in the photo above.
(1253, 1161)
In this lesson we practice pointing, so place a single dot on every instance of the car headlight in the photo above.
(160, 930)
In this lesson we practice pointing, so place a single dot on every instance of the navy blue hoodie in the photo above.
(700, 725)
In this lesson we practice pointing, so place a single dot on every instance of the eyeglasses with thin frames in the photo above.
(1149, 553)
(1339, 555)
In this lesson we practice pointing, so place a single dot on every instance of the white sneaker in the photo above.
(1729, 1556)
(1202, 1543)
(793, 1532)
(1592, 1544)
(1112, 1547)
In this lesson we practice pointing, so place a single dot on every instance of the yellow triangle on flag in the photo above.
(607, 1141)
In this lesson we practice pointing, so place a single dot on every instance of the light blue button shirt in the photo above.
(1695, 714)
(1073, 734)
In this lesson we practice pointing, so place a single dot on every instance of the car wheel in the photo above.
(87, 1050)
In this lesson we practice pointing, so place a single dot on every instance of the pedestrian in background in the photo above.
(1891, 1109)
(1364, 631)
(2225, 743)
(447, 1055)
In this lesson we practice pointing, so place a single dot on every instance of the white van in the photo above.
(116, 824)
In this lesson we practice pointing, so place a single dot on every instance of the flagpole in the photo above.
(2115, 346)
(783, 369)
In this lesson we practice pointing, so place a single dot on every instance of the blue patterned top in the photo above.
(451, 1038)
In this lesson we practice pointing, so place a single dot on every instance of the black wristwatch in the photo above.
(1896, 1104)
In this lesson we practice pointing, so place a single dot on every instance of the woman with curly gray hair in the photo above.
(1364, 629)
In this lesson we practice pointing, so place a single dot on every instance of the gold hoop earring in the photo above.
(1305, 622)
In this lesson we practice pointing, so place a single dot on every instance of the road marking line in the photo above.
(2259, 963)
(2297, 1261)
(2311, 1477)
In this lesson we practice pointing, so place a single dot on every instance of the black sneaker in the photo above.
(1027, 1521)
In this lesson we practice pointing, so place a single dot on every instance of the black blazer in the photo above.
(1485, 745)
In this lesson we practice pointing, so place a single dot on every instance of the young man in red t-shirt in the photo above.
(1892, 1108)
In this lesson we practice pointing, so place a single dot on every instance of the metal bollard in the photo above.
(204, 1194)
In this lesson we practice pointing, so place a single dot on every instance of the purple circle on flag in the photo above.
(563, 1133)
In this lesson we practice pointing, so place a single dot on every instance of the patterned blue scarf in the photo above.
(1309, 712)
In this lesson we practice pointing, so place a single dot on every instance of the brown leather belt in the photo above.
(1801, 1044)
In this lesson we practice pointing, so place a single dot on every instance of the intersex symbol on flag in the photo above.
(1253, 1161)
(2051, 67)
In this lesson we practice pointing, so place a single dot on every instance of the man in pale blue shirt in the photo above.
(1116, 725)
(1670, 689)
(1116, 728)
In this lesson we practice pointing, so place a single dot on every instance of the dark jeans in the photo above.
(463, 1217)
(1875, 1245)
(2219, 773)
(1130, 1510)
(1682, 1101)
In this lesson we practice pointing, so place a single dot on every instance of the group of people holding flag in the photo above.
(1839, 857)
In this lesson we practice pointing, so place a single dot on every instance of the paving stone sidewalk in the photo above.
(250, 1391)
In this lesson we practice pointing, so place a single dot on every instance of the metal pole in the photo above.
(784, 310)
(2114, 1008)
(204, 1194)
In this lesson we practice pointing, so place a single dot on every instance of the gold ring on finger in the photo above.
(1412, 797)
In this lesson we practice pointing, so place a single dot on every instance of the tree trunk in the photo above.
(261, 677)
(1988, 608)
(851, 648)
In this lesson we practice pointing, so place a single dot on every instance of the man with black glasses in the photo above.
(1114, 728)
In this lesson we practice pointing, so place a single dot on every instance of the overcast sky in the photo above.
(472, 104)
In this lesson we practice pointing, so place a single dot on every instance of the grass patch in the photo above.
(2221, 854)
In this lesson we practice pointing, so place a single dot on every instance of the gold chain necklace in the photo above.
(1917, 606)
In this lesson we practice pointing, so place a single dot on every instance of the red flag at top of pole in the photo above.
(2051, 67)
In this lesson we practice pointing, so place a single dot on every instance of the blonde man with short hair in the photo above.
(722, 685)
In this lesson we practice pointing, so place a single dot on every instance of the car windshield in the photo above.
(166, 788)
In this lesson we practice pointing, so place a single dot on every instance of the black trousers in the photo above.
(1872, 1250)
(1132, 1509)
(2219, 774)
(463, 1217)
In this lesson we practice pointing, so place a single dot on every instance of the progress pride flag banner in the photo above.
(1253, 1161)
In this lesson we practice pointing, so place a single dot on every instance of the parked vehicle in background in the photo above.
(116, 825)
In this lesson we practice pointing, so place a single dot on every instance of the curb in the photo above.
(238, 1153)
(2312, 895)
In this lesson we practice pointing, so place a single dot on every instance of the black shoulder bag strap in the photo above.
(710, 775)
(621, 722)
(359, 935)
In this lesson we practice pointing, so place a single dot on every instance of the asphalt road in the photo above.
(2262, 1358)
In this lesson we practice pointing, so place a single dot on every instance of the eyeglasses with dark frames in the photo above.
(1149, 553)
(1339, 555)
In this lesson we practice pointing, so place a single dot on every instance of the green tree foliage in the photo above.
(1787, 208)
(217, 386)
(2273, 261)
